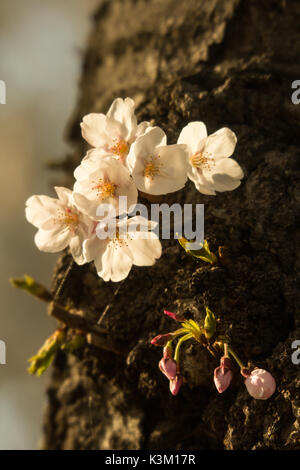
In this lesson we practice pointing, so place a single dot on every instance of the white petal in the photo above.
(203, 185)
(144, 147)
(39, 209)
(93, 129)
(221, 144)
(172, 175)
(88, 160)
(227, 175)
(141, 128)
(121, 120)
(64, 195)
(76, 250)
(115, 263)
(192, 134)
(52, 241)
(94, 248)
(145, 251)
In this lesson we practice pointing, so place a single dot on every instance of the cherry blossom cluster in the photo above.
(127, 157)
(260, 383)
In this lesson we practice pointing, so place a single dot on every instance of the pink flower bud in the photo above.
(175, 384)
(161, 340)
(175, 316)
(168, 367)
(260, 384)
(223, 374)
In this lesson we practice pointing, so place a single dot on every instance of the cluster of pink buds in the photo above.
(260, 384)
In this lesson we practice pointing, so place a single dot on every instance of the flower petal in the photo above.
(192, 134)
(76, 250)
(115, 263)
(221, 144)
(39, 209)
(52, 241)
(94, 248)
(141, 128)
(64, 195)
(144, 147)
(226, 175)
(172, 175)
(145, 251)
(93, 129)
(201, 183)
(121, 120)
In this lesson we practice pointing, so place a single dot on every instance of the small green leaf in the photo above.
(29, 285)
(45, 355)
(76, 342)
(203, 252)
(209, 324)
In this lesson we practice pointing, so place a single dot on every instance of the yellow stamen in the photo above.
(68, 218)
(152, 167)
(202, 160)
(120, 148)
(105, 189)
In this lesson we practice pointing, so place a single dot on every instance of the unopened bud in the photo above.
(161, 340)
(223, 374)
(168, 367)
(175, 316)
(222, 378)
(260, 384)
(175, 384)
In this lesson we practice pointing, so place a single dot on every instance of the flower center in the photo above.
(105, 189)
(152, 167)
(120, 239)
(202, 160)
(120, 148)
(68, 218)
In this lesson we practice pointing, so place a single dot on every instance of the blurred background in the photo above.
(41, 45)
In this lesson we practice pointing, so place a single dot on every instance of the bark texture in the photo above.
(228, 63)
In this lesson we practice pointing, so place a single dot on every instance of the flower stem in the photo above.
(236, 358)
(182, 339)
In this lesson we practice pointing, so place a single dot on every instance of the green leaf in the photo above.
(45, 355)
(77, 341)
(203, 253)
(209, 324)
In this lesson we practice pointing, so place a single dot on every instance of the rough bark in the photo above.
(229, 63)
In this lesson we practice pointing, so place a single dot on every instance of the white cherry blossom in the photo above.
(210, 167)
(59, 222)
(114, 132)
(101, 181)
(115, 256)
(157, 168)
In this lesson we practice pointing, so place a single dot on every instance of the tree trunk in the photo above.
(228, 63)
